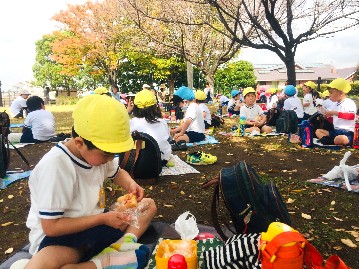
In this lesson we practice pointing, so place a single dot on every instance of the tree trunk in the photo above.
(189, 75)
(290, 65)
(171, 86)
(210, 79)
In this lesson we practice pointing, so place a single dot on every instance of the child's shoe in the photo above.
(200, 158)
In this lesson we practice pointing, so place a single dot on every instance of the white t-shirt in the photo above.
(251, 113)
(205, 109)
(348, 106)
(223, 99)
(293, 103)
(273, 99)
(311, 109)
(210, 91)
(158, 130)
(42, 124)
(329, 105)
(194, 113)
(17, 105)
(61, 185)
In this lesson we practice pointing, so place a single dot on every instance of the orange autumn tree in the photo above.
(99, 39)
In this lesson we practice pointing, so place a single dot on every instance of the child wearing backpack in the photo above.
(39, 125)
(253, 113)
(234, 105)
(200, 100)
(309, 99)
(292, 102)
(343, 115)
(192, 129)
(147, 118)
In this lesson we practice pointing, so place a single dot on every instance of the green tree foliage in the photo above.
(234, 75)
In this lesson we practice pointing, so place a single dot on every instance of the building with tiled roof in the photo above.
(275, 75)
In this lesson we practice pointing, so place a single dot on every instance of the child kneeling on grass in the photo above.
(343, 115)
(255, 117)
(192, 128)
(69, 226)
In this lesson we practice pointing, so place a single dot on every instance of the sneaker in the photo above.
(200, 158)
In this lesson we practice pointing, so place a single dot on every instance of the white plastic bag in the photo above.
(186, 226)
(343, 171)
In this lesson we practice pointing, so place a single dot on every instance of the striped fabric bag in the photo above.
(239, 252)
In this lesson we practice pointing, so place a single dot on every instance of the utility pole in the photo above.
(0, 95)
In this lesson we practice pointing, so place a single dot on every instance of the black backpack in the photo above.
(4, 145)
(216, 121)
(4, 148)
(287, 122)
(252, 205)
(273, 115)
(143, 162)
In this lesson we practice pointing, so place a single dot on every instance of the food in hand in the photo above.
(128, 200)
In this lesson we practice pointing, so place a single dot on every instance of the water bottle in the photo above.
(219, 112)
(242, 124)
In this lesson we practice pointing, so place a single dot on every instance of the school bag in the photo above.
(216, 121)
(143, 162)
(306, 134)
(356, 136)
(4, 145)
(273, 115)
(287, 122)
(251, 204)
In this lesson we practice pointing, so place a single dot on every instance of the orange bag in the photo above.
(285, 250)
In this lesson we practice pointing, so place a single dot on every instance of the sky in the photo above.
(23, 22)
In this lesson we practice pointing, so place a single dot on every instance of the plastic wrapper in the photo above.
(343, 171)
(132, 213)
(183, 247)
(186, 226)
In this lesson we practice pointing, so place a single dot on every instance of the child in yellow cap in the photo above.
(69, 224)
(200, 97)
(308, 102)
(343, 115)
(147, 118)
(253, 113)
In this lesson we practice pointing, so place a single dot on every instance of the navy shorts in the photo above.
(91, 241)
(230, 111)
(195, 137)
(337, 132)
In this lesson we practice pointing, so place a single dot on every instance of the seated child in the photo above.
(255, 117)
(309, 99)
(200, 100)
(147, 118)
(234, 105)
(39, 125)
(223, 100)
(292, 102)
(70, 225)
(343, 115)
(192, 128)
(273, 98)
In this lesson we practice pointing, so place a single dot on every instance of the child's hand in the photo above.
(117, 220)
(330, 113)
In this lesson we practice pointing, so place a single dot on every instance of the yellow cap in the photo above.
(273, 90)
(325, 93)
(101, 90)
(145, 98)
(311, 85)
(103, 121)
(200, 95)
(274, 229)
(341, 85)
(248, 90)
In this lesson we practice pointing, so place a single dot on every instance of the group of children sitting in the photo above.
(339, 110)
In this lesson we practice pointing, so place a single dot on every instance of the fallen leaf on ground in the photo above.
(9, 250)
(348, 242)
(332, 203)
(306, 216)
(337, 219)
(168, 205)
(7, 223)
(10, 196)
(289, 201)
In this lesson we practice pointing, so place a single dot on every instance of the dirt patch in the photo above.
(273, 157)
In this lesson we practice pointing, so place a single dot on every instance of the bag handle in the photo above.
(314, 260)
(17, 151)
(269, 249)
